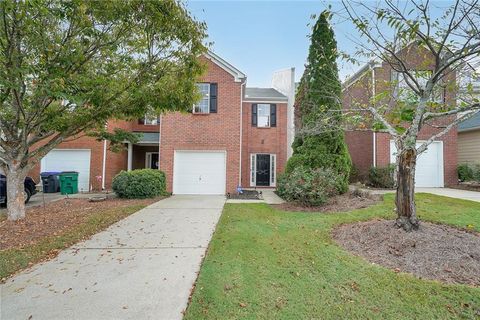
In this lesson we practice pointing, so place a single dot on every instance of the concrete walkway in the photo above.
(140, 268)
(447, 192)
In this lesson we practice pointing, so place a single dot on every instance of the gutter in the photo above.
(242, 86)
(372, 68)
(104, 164)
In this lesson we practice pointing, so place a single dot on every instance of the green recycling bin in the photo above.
(69, 182)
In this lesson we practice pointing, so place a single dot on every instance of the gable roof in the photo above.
(238, 75)
(264, 94)
(472, 123)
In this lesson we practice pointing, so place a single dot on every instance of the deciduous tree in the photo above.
(67, 67)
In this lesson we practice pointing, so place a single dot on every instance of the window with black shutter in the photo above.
(265, 115)
(273, 115)
(213, 97)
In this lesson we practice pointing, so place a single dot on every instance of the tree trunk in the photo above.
(15, 196)
(405, 197)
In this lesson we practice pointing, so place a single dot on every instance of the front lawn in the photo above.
(268, 264)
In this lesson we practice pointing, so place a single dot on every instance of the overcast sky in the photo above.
(259, 37)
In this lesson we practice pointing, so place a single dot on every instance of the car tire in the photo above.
(27, 195)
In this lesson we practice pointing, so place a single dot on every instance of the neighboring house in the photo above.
(234, 136)
(436, 167)
(469, 140)
(469, 130)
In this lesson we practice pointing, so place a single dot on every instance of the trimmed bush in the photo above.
(381, 177)
(139, 184)
(476, 172)
(465, 172)
(309, 187)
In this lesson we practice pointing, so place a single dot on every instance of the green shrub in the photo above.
(382, 177)
(309, 187)
(139, 184)
(465, 172)
(476, 172)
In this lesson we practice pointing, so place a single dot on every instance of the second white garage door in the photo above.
(69, 160)
(429, 170)
(199, 172)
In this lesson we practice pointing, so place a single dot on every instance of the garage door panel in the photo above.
(199, 172)
(69, 160)
(429, 169)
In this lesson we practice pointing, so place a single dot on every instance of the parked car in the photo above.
(29, 190)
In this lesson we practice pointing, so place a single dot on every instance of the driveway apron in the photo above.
(142, 267)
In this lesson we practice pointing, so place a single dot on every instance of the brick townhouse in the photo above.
(436, 167)
(235, 135)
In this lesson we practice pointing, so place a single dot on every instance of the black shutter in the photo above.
(254, 115)
(273, 115)
(213, 97)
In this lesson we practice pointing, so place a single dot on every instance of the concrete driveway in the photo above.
(452, 193)
(140, 268)
(447, 192)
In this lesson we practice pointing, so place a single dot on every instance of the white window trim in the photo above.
(148, 160)
(253, 170)
(269, 115)
(147, 123)
(209, 97)
(273, 167)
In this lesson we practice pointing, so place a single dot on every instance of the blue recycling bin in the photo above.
(50, 182)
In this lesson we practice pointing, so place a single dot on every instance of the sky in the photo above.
(260, 37)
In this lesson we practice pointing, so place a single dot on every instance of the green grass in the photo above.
(267, 264)
(15, 259)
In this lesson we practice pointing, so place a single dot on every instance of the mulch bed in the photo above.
(435, 252)
(55, 218)
(341, 203)
(245, 195)
(467, 186)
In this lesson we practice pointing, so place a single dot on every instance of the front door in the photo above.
(263, 170)
(151, 160)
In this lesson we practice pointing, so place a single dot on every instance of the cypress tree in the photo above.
(318, 106)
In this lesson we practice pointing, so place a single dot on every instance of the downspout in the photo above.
(104, 164)
(374, 132)
(241, 133)
(159, 138)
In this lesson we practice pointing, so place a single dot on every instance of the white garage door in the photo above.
(69, 160)
(429, 171)
(199, 172)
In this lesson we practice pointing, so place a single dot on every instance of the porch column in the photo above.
(130, 157)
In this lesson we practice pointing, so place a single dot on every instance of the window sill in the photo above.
(201, 113)
(264, 127)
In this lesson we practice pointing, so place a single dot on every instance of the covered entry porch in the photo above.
(145, 153)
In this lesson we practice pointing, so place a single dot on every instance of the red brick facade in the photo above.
(218, 131)
(263, 140)
(361, 143)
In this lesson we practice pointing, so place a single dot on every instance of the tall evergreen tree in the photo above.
(317, 102)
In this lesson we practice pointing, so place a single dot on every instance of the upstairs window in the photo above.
(208, 102)
(203, 106)
(402, 91)
(149, 120)
(264, 115)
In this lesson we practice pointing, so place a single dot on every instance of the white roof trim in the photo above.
(360, 73)
(237, 74)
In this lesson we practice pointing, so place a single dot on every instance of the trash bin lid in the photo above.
(48, 173)
(67, 172)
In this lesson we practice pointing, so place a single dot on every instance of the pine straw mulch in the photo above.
(436, 252)
(351, 200)
(55, 218)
